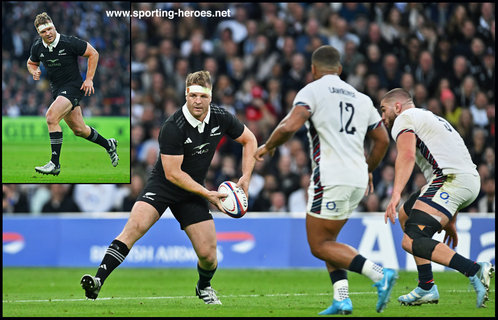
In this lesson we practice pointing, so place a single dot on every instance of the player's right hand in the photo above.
(215, 198)
(37, 74)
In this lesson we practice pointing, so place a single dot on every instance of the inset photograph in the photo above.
(66, 93)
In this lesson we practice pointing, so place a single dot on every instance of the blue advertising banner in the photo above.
(251, 242)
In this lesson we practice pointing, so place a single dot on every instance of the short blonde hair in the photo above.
(42, 18)
(201, 78)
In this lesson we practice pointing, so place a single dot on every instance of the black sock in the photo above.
(467, 267)
(114, 256)
(357, 264)
(56, 144)
(95, 137)
(337, 275)
(425, 278)
(205, 277)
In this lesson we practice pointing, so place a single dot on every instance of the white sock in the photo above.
(373, 271)
(341, 290)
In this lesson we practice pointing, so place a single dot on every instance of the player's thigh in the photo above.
(142, 217)
(59, 109)
(319, 230)
(74, 120)
(203, 237)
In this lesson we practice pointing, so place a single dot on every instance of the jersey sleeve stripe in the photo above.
(403, 131)
(374, 126)
(302, 104)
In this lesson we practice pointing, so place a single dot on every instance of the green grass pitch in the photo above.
(56, 292)
(81, 161)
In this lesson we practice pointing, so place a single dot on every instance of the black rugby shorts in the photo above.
(72, 92)
(188, 208)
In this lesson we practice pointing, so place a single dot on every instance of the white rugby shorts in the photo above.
(333, 202)
(451, 193)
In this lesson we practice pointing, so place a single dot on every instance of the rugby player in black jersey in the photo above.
(59, 54)
(187, 141)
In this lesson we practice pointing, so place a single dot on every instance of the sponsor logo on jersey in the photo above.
(52, 63)
(215, 132)
(64, 92)
(200, 149)
(187, 141)
(42, 55)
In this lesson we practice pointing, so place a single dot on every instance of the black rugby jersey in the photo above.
(178, 137)
(62, 62)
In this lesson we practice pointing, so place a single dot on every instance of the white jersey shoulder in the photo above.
(439, 145)
(340, 119)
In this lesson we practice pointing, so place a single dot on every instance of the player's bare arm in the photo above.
(380, 140)
(34, 69)
(405, 161)
(176, 175)
(284, 131)
(249, 146)
(93, 60)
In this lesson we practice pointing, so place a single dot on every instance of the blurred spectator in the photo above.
(277, 199)
(487, 202)
(451, 111)
(60, 200)
(303, 42)
(478, 110)
(466, 93)
(14, 201)
(263, 199)
(443, 56)
(478, 146)
(465, 126)
(298, 198)
(384, 187)
(287, 179)
(134, 189)
(95, 197)
(371, 203)
(426, 73)
(351, 58)
(390, 77)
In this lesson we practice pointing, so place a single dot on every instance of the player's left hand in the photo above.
(262, 150)
(391, 208)
(87, 86)
(450, 235)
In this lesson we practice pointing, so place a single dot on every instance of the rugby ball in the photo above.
(235, 203)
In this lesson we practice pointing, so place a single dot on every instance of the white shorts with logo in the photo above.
(451, 193)
(333, 202)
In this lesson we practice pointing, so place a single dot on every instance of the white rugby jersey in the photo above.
(440, 148)
(340, 118)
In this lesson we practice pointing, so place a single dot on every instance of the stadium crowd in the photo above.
(442, 53)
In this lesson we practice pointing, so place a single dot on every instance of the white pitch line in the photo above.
(221, 296)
